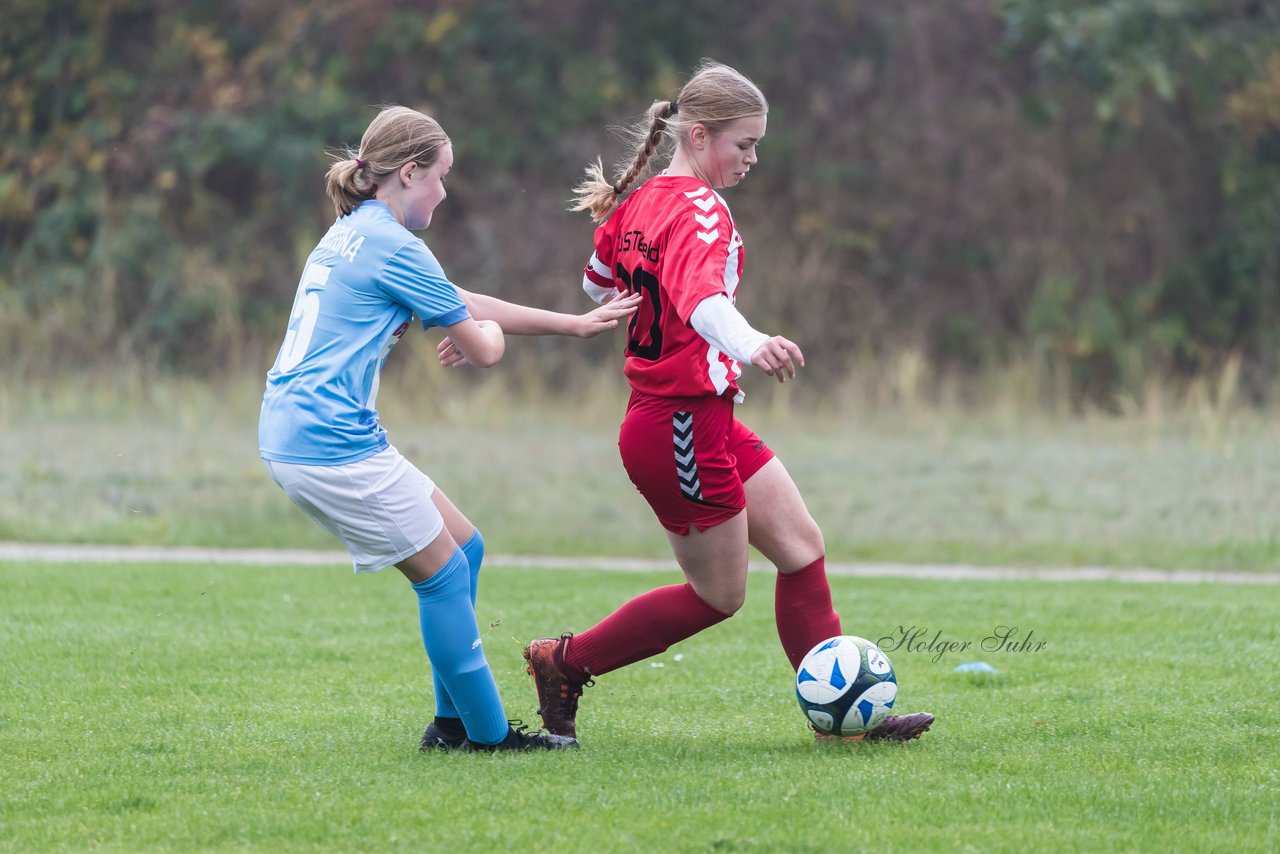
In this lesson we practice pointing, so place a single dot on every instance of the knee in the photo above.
(800, 547)
(810, 535)
(728, 600)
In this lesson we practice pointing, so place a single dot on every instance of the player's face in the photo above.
(426, 190)
(730, 154)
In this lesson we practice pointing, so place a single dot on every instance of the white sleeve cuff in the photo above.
(597, 293)
(597, 281)
(724, 327)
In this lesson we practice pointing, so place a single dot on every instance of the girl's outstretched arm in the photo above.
(518, 319)
(524, 320)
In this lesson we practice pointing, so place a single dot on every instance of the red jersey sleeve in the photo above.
(597, 276)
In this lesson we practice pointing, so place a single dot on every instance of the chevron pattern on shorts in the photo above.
(686, 465)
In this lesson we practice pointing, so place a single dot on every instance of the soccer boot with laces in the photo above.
(518, 738)
(557, 693)
(893, 728)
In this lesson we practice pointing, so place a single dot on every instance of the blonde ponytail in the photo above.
(595, 193)
(347, 184)
(396, 136)
(715, 96)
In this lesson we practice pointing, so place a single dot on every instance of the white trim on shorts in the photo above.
(379, 507)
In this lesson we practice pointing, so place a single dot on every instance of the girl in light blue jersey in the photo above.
(319, 434)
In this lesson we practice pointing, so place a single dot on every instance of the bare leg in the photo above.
(429, 561)
(778, 522)
(784, 532)
(458, 525)
(715, 562)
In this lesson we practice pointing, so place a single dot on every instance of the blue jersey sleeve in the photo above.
(414, 278)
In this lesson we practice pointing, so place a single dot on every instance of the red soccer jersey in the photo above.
(673, 239)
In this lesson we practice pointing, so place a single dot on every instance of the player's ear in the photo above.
(698, 136)
(406, 172)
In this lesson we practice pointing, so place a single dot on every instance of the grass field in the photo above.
(175, 463)
(167, 707)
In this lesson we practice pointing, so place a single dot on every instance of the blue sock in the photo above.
(474, 551)
(452, 641)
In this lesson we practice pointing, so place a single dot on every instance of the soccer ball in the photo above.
(846, 686)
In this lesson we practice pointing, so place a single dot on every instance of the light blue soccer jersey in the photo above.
(360, 289)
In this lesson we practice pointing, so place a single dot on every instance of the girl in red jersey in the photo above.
(714, 484)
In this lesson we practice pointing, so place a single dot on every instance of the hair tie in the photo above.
(617, 191)
(675, 106)
(359, 163)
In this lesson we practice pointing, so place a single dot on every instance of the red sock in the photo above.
(645, 626)
(802, 607)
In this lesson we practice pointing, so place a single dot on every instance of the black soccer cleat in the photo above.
(443, 734)
(518, 739)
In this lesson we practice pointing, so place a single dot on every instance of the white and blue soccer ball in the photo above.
(846, 686)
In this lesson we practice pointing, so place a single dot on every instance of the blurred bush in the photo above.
(1085, 186)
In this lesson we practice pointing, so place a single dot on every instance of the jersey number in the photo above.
(638, 280)
(302, 322)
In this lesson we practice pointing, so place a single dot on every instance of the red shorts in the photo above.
(689, 457)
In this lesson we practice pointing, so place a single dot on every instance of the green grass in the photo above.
(166, 707)
(176, 463)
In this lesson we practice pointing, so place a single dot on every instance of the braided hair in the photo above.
(714, 96)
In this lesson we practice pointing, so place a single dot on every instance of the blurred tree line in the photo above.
(1085, 187)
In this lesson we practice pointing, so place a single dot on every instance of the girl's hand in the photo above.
(490, 343)
(779, 358)
(607, 316)
(449, 354)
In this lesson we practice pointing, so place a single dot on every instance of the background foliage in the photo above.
(1086, 188)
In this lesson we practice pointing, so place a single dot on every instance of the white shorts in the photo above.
(380, 507)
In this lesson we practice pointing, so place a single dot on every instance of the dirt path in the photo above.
(54, 553)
